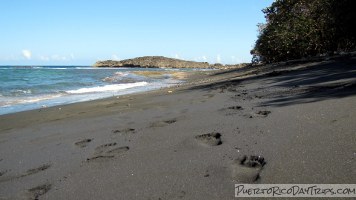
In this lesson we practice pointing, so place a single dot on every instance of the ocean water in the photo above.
(27, 88)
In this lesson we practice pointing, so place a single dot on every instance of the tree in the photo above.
(303, 28)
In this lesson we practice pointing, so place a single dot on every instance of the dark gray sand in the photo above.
(262, 124)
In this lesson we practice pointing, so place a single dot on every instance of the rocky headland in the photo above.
(160, 62)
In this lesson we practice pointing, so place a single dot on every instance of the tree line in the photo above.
(297, 29)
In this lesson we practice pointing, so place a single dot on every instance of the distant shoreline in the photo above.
(163, 62)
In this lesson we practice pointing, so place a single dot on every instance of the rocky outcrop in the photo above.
(153, 62)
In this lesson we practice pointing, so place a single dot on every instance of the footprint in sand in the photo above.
(36, 192)
(118, 150)
(108, 151)
(83, 143)
(27, 173)
(104, 147)
(263, 113)
(125, 131)
(36, 170)
(231, 110)
(163, 123)
(235, 108)
(247, 169)
(209, 139)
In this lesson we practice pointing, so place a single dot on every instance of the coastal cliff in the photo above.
(152, 62)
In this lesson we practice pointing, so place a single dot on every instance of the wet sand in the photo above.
(263, 124)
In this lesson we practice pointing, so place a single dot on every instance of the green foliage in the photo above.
(302, 28)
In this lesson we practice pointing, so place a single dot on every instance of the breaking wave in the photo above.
(106, 88)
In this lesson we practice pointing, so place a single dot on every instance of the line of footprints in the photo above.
(245, 169)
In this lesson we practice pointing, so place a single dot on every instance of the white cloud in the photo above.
(204, 58)
(218, 58)
(72, 56)
(27, 54)
(176, 56)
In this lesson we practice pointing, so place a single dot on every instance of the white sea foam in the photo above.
(84, 68)
(23, 91)
(107, 88)
(4, 102)
(115, 78)
(96, 68)
(41, 98)
(121, 74)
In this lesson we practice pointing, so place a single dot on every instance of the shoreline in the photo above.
(295, 123)
(62, 96)
(27, 117)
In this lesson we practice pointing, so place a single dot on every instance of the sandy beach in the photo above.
(261, 124)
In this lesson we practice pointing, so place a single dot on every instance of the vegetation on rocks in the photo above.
(163, 62)
(152, 62)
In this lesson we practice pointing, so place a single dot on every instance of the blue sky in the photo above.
(80, 32)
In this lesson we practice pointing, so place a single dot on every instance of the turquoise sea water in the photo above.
(26, 88)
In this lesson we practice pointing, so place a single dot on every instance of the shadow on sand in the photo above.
(294, 84)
